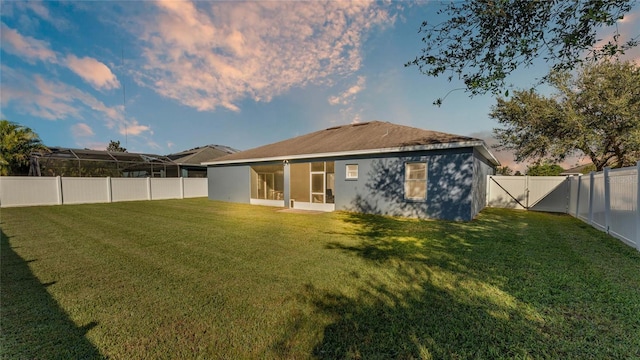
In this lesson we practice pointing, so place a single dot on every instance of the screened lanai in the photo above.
(91, 163)
(311, 185)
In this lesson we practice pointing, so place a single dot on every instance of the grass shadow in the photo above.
(507, 285)
(33, 325)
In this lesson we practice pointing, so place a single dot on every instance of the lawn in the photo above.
(202, 279)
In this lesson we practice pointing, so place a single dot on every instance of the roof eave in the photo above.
(454, 145)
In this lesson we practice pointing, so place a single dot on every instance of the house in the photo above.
(190, 161)
(374, 167)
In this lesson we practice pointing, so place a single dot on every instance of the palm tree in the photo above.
(17, 142)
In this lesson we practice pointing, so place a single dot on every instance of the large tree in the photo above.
(17, 142)
(114, 146)
(595, 112)
(482, 41)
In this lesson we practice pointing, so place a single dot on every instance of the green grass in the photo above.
(202, 279)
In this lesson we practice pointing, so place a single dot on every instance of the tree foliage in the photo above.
(17, 142)
(544, 169)
(114, 146)
(504, 170)
(483, 41)
(594, 113)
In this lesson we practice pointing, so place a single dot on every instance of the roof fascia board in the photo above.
(454, 145)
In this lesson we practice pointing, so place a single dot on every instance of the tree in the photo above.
(594, 113)
(17, 143)
(114, 146)
(504, 170)
(483, 41)
(544, 169)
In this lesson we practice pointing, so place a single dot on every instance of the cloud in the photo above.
(627, 29)
(208, 55)
(54, 100)
(37, 8)
(89, 69)
(93, 71)
(26, 47)
(132, 128)
(81, 130)
(349, 95)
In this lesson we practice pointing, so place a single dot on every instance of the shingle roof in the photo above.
(359, 137)
(201, 154)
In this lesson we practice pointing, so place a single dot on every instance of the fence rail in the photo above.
(33, 191)
(608, 200)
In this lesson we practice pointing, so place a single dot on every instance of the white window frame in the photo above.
(349, 173)
(408, 181)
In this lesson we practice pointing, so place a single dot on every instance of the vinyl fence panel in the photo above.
(598, 205)
(583, 198)
(624, 204)
(573, 195)
(548, 193)
(79, 190)
(507, 192)
(129, 189)
(166, 188)
(29, 191)
(195, 187)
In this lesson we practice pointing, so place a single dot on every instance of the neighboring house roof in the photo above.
(355, 139)
(579, 170)
(197, 156)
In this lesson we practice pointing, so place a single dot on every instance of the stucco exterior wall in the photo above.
(230, 183)
(481, 168)
(379, 188)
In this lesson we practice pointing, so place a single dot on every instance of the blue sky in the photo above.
(165, 76)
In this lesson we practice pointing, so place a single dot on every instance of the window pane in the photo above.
(317, 166)
(415, 181)
(352, 171)
(416, 190)
(417, 171)
(317, 183)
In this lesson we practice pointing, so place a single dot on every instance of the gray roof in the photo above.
(201, 154)
(360, 138)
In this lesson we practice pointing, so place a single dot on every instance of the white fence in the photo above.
(607, 200)
(32, 191)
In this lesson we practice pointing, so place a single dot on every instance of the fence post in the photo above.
(638, 206)
(148, 188)
(591, 175)
(181, 187)
(59, 189)
(109, 191)
(607, 200)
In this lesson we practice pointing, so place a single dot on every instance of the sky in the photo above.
(166, 76)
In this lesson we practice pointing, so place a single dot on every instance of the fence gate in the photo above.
(538, 193)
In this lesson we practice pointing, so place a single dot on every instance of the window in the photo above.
(415, 181)
(352, 171)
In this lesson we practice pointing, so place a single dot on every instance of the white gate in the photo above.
(539, 193)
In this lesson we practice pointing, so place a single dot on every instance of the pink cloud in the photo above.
(93, 71)
(81, 130)
(348, 95)
(214, 54)
(26, 47)
(132, 128)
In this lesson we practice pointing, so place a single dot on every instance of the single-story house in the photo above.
(373, 167)
(190, 161)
